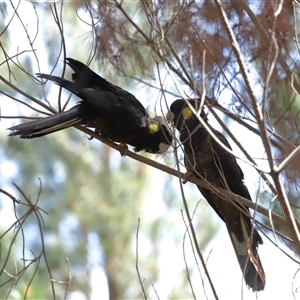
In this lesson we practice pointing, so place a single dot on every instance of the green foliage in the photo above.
(93, 198)
(97, 198)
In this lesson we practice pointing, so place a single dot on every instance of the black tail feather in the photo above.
(246, 251)
(48, 125)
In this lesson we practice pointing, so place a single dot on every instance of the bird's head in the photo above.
(159, 136)
(160, 129)
(181, 112)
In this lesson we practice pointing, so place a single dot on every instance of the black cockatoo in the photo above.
(208, 160)
(114, 113)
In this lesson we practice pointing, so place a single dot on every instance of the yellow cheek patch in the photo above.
(187, 113)
(153, 128)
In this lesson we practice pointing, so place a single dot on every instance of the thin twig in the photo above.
(137, 260)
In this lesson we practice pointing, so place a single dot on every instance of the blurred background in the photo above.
(77, 220)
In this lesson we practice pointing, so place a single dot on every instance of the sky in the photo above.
(283, 280)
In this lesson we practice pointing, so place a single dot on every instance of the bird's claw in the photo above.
(187, 176)
(123, 149)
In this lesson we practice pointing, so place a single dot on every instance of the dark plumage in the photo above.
(206, 159)
(114, 113)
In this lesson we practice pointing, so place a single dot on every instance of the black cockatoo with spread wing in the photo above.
(208, 160)
(113, 112)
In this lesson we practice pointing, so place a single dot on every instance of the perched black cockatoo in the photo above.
(208, 160)
(114, 113)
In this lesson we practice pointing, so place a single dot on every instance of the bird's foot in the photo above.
(123, 149)
(96, 131)
(187, 176)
